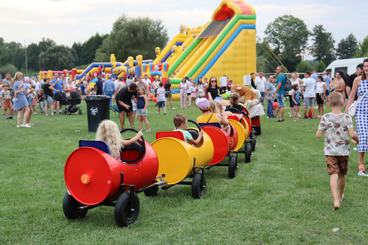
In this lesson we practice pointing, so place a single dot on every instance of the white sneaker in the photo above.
(19, 126)
(27, 125)
(362, 174)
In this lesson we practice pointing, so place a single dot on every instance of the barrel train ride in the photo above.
(94, 178)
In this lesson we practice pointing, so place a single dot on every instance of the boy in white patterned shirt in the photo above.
(337, 127)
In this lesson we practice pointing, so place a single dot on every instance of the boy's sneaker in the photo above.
(27, 125)
(362, 174)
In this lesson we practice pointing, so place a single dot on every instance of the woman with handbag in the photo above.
(360, 88)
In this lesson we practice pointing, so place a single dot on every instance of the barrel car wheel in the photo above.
(248, 151)
(233, 165)
(126, 209)
(72, 208)
(254, 140)
(198, 185)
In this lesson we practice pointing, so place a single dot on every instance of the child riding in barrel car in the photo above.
(212, 114)
(180, 122)
(108, 132)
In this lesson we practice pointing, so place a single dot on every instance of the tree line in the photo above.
(129, 36)
(286, 42)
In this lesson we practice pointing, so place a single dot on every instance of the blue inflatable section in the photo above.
(95, 65)
(169, 53)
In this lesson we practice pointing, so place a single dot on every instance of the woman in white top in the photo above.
(321, 89)
(183, 93)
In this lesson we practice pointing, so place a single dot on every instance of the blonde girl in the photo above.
(108, 132)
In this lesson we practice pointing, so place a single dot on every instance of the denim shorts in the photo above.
(280, 100)
(49, 100)
(309, 102)
(141, 112)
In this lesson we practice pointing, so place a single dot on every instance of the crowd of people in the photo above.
(21, 95)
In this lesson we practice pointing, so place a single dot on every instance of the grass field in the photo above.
(282, 197)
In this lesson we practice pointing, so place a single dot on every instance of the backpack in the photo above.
(288, 85)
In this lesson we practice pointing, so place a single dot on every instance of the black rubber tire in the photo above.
(233, 166)
(254, 141)
(248, 151)
(198, 185)
(71, 208)
(151, 192)
(126, 209)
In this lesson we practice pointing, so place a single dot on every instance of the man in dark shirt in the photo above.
(349, 84)
(99, 86)
(124, 102)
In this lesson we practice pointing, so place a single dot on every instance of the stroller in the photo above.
(71, 101)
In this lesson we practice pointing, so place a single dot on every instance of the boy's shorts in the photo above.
(309, 101)
(337, 165)
(161, 104)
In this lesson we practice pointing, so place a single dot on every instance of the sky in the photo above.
(69, 21)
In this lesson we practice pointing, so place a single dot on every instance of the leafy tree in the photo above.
(266, 62)
(133, 36)
(363, 48)
(88, 49)
(57, 58)
(347, 47)
(45, 44)
(287, 36)
(304, 66)
(323, 45)
(9, 68)
(34, 50)
(77, 49)
(320, 66)
(12, 53)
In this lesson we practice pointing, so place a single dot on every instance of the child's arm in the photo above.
(132, 140)
(197, 141)
(321, 128)
(319, 134)
(146, 102)
(353, 136)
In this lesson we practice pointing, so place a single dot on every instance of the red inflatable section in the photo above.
(225, 13)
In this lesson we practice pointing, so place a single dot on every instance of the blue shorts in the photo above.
(280, 100)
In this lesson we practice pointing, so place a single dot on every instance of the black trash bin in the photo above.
(98, 109)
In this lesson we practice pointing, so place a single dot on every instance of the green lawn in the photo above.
(282, 197)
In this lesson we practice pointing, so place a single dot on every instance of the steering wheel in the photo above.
(139, 146)
(195, 124)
